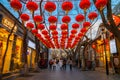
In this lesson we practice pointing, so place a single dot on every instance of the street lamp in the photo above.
(104, 42)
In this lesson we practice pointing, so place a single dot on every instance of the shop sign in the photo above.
(8, 23)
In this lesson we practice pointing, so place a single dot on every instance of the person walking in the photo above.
(70, 64)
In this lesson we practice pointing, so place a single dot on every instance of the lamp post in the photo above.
(104, 42)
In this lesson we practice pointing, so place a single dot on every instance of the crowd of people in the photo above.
(60, 64)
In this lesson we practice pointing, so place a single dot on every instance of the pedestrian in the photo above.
(50, 64)
(60, 64)
(64, 64)
(70, 64)
(54, 64)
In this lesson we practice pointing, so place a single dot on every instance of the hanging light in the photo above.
(15, 4)
(79, 18)
(67, 6)
(75, 26)
(53, 27)
(38, 19)
(32, 6)
(50, 6)
(83, 30)
(30, 25)
(74, 31)
(64, 32)
(40, 26)
(35, 31)
(64, 27)
(52, 19)
(66, 19)
(92, 15)
(54, 33)
(86, 24)
(24, 17)
(100, 4)
(44, 32)
(84, 4)
(116, 20)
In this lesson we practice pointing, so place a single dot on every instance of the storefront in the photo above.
(31, 54)
(12, 59)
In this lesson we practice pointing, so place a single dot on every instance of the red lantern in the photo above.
(44, 32)
(86, 24)
(54, 33)
(67, 6)
(72, 36)
(73, 31)
(100, 4)
(32, 6)
(64, 27)
(116, 20)
(66, 19)
(92, 15)
(50, 6)
(93, 46)
(38, 18)
(80, 34)
(24, 17)
(15, 4)
(83, 30)
(35, 31)
(75, 25)
(79, 18)
(84, 4)
(38, 35)
(52, 19)
(64, 33)
(53, 27)
(40, 26)
(30, 25)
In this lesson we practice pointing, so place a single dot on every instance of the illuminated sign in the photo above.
(8, 23)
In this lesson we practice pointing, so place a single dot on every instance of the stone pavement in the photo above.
(69, 75)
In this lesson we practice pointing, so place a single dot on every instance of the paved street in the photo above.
(69, 75)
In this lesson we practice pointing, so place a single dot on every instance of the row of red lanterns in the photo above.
(50, 7)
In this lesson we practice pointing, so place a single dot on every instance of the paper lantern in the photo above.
(86, 24)
(15, 4)
(44, 32)
(64, 32)
(79, 18)
(75, 25)
(116, 20)
(53, 27)
(64, 27)
(40, 26)
(24, 17)
(50, 6)
(80, 34)
(67, 6)
(92, 15)
(38, 19)
(52, 19)
(100, 4)
(73, 31)
(32, 6)
(84, 4)
(93, 46)
(30, 25)
(72, 36)
(66, 19)
(83, 30)
(54, 32)
(35, 31)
